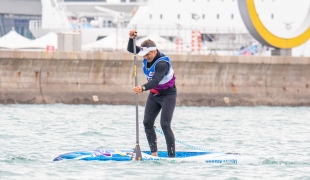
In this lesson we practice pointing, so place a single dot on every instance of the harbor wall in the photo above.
(107, 78)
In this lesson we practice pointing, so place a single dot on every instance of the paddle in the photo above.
(137, 152)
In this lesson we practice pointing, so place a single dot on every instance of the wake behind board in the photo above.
(191, 156)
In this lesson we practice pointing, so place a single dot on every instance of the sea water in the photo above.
(31, 136)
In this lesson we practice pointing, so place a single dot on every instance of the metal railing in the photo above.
(35, 24)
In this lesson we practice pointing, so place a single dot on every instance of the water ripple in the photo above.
(32, 136)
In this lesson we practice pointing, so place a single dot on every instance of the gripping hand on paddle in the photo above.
(138, 89)
(133, 33)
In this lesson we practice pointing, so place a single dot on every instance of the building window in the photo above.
(203, 16)
(133, 0)
(109, 23)
(22, 31)
(161, 16)
(232, 16)
(150, 16)
(123, 1)
(218, 16)
(179, 16)
(271, 16)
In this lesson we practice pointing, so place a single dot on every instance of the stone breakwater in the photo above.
(107, 78)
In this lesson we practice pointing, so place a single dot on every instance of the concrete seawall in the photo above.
(81, 77)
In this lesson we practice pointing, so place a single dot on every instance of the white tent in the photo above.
(111, 42)
(162, 44)
(49, 39)
(12, 40)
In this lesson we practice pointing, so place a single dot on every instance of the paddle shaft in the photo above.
(136, 84)
(137, 151)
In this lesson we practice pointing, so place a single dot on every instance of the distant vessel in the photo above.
(195, 26)
(94, 20)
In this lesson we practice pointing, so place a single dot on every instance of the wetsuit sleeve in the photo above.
(161, 69)
(130, 46)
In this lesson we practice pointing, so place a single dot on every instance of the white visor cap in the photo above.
(144, 50)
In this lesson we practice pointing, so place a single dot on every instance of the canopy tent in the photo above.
(111, 42)
(49, 39)
(162, 44)
(12, 40)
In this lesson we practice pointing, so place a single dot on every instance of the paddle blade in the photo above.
(136, 155)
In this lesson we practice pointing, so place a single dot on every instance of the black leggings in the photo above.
(165, 103)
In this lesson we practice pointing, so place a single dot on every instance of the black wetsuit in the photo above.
(164, 101)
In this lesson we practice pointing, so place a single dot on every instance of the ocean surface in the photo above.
(32, 136)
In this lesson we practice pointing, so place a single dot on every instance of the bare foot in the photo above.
(155, 154)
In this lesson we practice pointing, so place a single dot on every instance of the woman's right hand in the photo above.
(133, 33)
